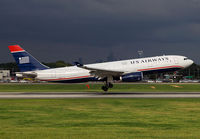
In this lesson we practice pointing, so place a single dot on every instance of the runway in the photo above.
(55, 95)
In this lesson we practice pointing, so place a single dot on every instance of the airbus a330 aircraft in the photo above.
(124, 70)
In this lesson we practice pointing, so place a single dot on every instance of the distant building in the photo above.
(5, 76)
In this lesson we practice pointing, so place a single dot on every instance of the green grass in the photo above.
(97, 88)
(100, 118)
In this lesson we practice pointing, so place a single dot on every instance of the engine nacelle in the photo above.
(132, 77)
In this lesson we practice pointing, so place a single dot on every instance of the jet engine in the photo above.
(132, 77)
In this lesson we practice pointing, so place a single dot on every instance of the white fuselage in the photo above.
(166, 62)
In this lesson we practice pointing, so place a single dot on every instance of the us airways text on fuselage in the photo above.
(150, 60)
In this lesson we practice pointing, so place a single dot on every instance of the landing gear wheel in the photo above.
(104, 88)
(110, 85)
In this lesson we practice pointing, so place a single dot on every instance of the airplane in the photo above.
(124, 70)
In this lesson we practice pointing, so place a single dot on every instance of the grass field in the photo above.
(97, 88)
(100, 118)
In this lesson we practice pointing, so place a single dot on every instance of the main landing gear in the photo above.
(108, 84)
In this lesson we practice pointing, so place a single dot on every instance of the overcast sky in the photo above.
(66, 30)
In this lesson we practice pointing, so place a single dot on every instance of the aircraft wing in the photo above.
(99, 72)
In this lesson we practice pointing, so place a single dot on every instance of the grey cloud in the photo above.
(101, 25)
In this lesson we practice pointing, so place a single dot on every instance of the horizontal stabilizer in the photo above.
(26, 74)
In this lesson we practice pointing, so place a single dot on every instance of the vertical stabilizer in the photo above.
(24, 60)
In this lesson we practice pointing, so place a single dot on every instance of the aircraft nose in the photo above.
(188, 62)
(191, 62)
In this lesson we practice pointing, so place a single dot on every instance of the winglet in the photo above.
(78, 64)
(15, 48)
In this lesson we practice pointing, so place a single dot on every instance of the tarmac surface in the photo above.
(54, 95)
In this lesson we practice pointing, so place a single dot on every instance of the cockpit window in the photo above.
(186, 58)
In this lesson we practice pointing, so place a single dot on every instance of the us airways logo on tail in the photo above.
(24, 60)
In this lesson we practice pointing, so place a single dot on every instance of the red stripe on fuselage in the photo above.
(160, 68)
(15, 48)
(61, 79)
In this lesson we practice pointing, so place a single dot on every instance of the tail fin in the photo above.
(24, 60)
